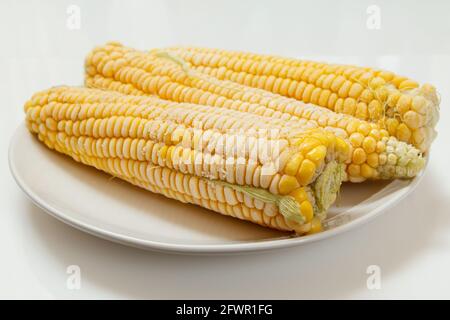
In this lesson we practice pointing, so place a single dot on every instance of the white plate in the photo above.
(115, 210)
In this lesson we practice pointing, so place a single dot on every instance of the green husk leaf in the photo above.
(168, 55)
(290, 208)
(287, 205)
(327, 185)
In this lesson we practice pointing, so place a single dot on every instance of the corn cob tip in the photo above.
(402, 160)
(422, 116)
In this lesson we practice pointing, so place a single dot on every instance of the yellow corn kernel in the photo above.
(412, 119)
(167, 139)
(381, 146)
(397, 80)
(367, 171)
(307, 210)
(339, 105)
(293, 164)
(382, 94)
(403, 132)
(393, 98)
(375, 109)
(372, 159)
(419, 104)
(299, 195)
(169, 155)
(326, 84)
(404, 103)
(316, 226)
(342, 147)
(325, 138)
(369, 144)
(315, 95)
(317, 154)
(352, 126)
(349, 106)
(364, 129)
(375, 133)
(162, 153)
(366, 96)
(51, 124)
(386, 75)
(356, 139)
(307, 93)
(365, 78)
(287, 184)
(354, 170)
(337, 83)
(355, 90)
(392, 125)
(344, 89)
(359, 156)
(324, 96)
(376, 83)
(408, 85)
(176, 136)
(361, 111)
(384, 133)
(332, 101)
(306, 172)
(419, 135)
(309, 143)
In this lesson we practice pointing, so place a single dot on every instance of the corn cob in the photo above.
(197, 154)
(408, 111)
(374, 155)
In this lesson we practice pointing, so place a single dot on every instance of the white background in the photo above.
(410, 243)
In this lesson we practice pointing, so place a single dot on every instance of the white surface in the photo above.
(68, 191)
(410, 242)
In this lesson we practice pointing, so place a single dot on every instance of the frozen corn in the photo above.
(374, 154)
(237, 163)
(407, 110)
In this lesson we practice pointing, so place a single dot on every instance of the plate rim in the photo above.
(226, 248)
